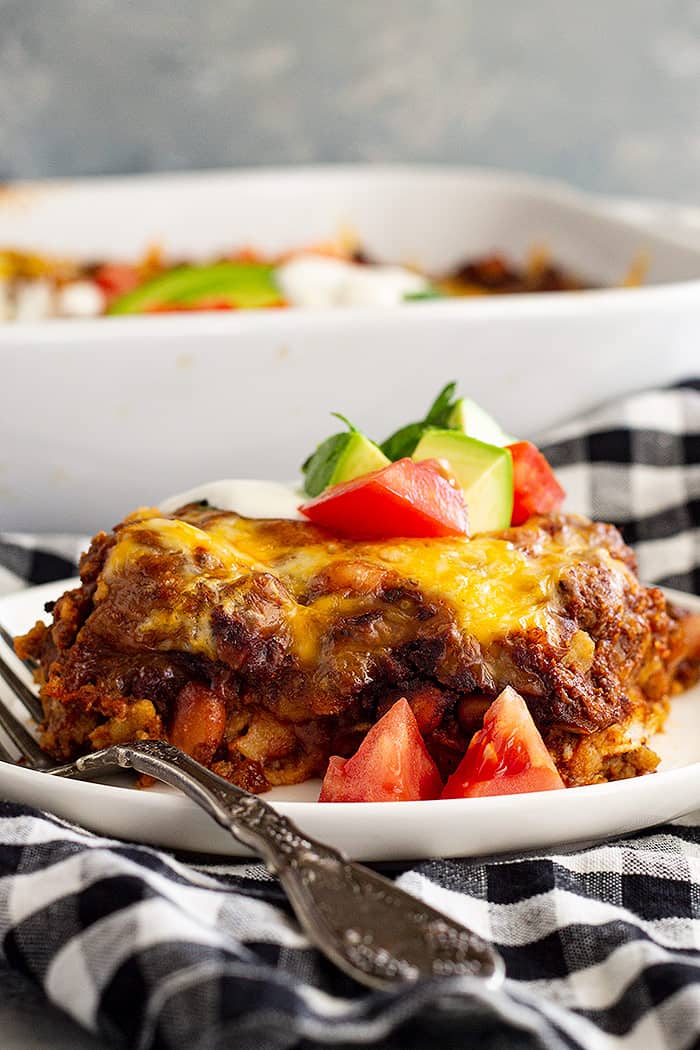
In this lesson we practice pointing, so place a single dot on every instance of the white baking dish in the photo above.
(98, 416)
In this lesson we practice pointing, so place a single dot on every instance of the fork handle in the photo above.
(368, 926)
(247, 817)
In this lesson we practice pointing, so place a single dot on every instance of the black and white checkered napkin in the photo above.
(602, 944)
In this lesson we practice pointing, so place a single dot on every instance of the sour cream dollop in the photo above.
(80, 299)
(251, 498)
(313, 280)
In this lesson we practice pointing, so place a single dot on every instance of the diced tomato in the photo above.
(391, 764)
(188, 308)
(507, 757)
(216, 304)
(403, 499)
(117, 278)
(537, 491)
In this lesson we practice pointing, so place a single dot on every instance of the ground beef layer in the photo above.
(263, 646)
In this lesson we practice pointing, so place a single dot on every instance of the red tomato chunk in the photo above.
(537, 491)
(117, 278)
(507, 757)
(403, 499)
(391, 764)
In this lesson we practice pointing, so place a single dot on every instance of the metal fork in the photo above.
(372, 930)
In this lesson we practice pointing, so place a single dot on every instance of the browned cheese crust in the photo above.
(303, 640)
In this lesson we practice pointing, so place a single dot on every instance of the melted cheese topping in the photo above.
(492, 586)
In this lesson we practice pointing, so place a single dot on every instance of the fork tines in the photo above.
(12, 726)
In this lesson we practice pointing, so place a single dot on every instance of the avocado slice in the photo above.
(485, 473)
(341, 457)
(244, 285)
(470, 418)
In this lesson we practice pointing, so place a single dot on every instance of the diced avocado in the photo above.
(403, 441)
(339, 458)
(243, 285)
(360, 456)
(485, 473)
(470, 418)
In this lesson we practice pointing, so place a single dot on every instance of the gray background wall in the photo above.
(604, 93)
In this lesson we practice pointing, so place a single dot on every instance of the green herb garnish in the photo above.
(403, 441)
(341, 457)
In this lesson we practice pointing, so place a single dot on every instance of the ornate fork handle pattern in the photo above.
(371, 929)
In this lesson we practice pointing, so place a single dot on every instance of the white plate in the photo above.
(383, 830)
(159, 396)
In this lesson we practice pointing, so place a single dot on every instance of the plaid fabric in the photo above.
(602, 944)
(636, 462)
(31, 560)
